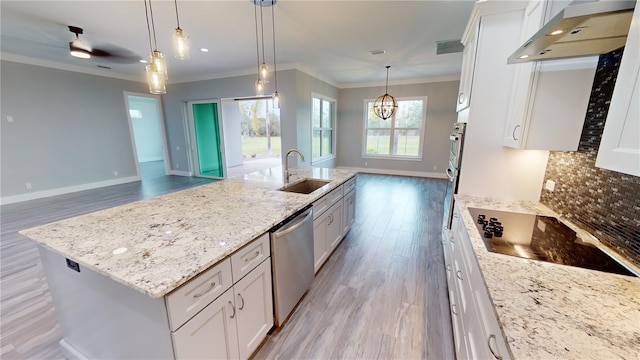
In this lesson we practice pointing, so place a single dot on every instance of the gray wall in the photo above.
(69, 128)
(306, 86)
(441, 115)
(294, 86)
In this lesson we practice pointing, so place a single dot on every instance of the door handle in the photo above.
(450, 174)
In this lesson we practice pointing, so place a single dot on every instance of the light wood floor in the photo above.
(382, 294)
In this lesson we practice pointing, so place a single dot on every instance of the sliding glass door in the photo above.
(206, 137)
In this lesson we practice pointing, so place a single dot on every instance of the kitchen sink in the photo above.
(306, 186)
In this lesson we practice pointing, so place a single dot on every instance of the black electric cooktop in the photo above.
(541, 238)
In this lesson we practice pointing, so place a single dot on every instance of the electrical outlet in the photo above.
(28, 186)
(9, 118)
(435, 168)
(550, 185)
(115, 173)
(177, 166)
(365, 163)
(178, 148)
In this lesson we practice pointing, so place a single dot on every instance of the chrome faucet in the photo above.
(287, 174)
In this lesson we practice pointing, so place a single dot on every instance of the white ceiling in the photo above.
(331, 39)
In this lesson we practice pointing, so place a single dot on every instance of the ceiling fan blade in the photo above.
(116, 54)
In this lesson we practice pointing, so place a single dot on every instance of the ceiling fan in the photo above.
(81, 49)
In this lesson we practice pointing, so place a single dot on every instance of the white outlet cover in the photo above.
(9, 118)
(550, 185)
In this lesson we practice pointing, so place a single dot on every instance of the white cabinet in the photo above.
(549, 99)
(212, 334)
(349, 211)
(620, 146)
(477, 334)
(333, 215)
(236, 322)
(468, 63)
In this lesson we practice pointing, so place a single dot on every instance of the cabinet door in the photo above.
(211, 334)
(253, 299)
(335, 231)
(349, 209)
(320, 248)
(466, 75)
(620, 146)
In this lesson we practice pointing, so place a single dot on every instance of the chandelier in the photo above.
(385, 105)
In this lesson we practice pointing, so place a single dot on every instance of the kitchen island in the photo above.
(145, 250)
(550, 311)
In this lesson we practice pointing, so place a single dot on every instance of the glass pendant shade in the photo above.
(385, 106)
(157, 58)
(264, 73)
(259, 88)
(180, 45)
(155, 79)
(276, 100)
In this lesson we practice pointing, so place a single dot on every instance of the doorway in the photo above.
(148, 135)
(206, 131)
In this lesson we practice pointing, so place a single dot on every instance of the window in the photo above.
(135, 114)
(322, 128)
(399, 137)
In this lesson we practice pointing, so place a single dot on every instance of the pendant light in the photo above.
(156, 71)
(275, 96)
(385, 105)
(264, 69)
(259, 84)
(180, 40)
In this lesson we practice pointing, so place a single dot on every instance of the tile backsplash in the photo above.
(605, 203)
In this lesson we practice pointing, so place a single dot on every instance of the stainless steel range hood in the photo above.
(579, 30)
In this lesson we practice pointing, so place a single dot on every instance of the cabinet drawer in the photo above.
(250, 256)
(320, 206)
(334, 195)
(349, 185)
(190, 298)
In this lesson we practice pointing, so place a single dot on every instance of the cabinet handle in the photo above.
(461, 98)
(211, 286)
(241, 299)
(330, 219)
(514, 132)
(453, 309)
(459, 274)
(493, 352)
(448, 267)
(234, 310)
(254, 257)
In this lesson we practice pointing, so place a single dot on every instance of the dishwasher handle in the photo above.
(294, 224)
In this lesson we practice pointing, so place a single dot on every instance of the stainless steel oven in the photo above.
(453, 170)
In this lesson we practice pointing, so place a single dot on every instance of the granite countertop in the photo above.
(550, 311)
(158, 244)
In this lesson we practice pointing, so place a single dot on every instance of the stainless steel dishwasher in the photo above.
(292, 261)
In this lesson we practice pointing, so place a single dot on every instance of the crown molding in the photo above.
(68, 67)
(433, 79)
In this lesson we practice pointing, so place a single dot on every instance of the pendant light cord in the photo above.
(153, 26)
(255, 15)
(177, 18)
(262, 29)
(146, 13)
(273, 27)
(386, 87)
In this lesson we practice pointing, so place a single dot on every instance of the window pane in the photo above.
(373, 121)
(316, 143)
(326, 114)
(406, 142)
(315, 113)
(378, 142)
(409, 114)
(326, 142)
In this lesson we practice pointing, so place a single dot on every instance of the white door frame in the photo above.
(194, 164)
(165, 147)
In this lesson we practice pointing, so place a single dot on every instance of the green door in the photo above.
(207, 136)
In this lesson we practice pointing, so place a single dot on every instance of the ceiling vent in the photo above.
(449, 47)
(377, 52)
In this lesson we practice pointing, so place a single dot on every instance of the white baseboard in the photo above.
(180, 173)
(70, 352)
(65, 190)
(397, 172)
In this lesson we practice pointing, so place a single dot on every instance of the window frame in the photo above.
(333, 128)
(393, 128)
